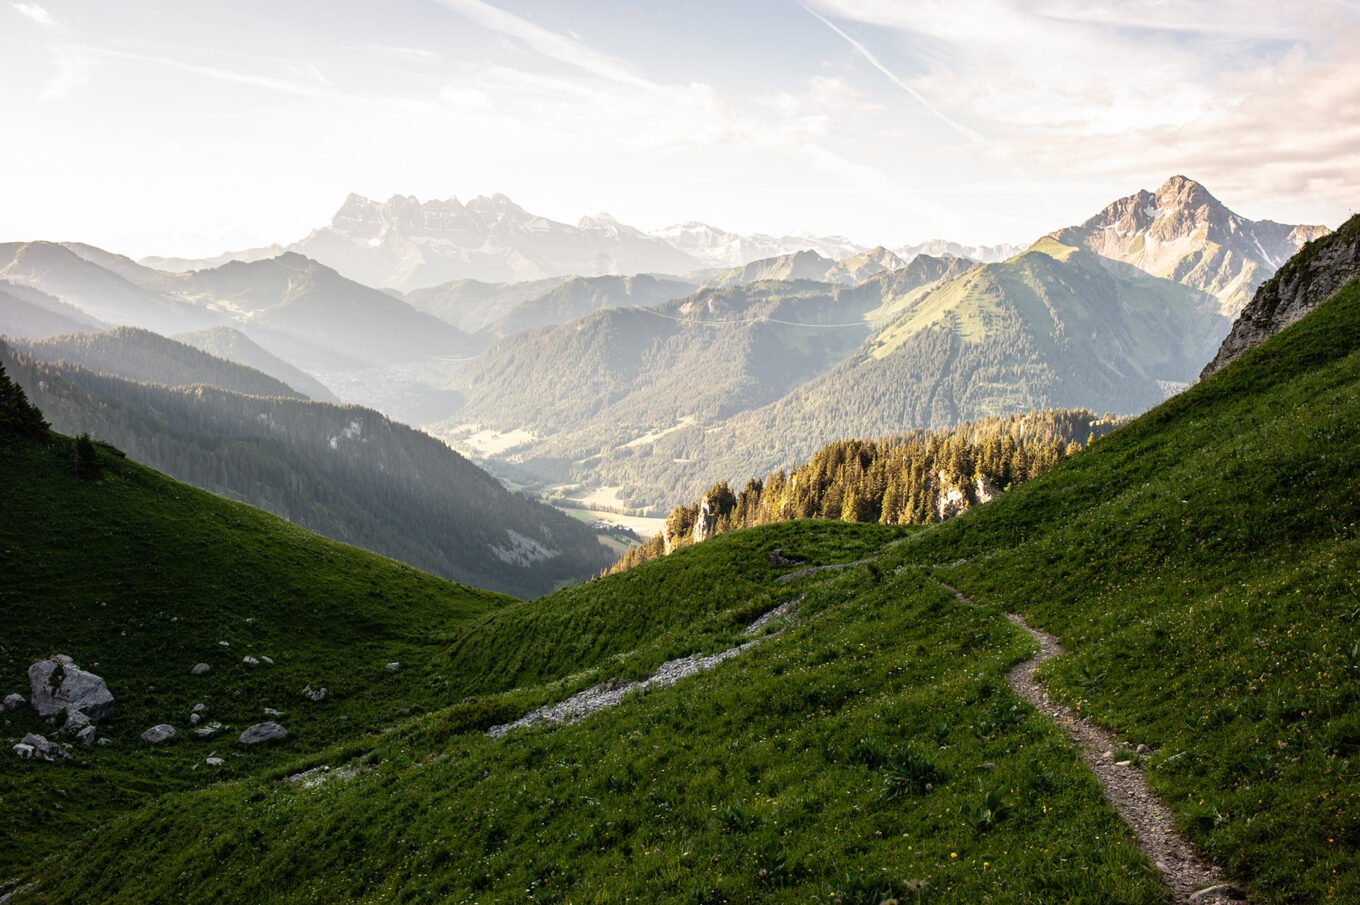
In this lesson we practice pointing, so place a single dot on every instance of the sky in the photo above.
(196, 126)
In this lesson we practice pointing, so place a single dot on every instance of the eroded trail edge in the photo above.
(1190, 878)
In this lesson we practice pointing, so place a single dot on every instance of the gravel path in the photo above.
(1190, 878)
(610, 694)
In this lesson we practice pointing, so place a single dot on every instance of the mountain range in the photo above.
(816, 709)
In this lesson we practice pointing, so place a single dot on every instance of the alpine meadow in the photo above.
(466, 548)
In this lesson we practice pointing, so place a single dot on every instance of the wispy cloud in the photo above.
(36, 13)
(546, 42)
(312, 84)
(898, 81)
(412, 54)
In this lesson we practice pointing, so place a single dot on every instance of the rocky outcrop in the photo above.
(1306, 281)
(706, 521)
(59, 684)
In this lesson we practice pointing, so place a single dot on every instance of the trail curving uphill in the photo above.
(1191, 879)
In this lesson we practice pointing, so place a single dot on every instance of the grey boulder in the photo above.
(263, 732)
(157, 734)
(59, 684)
(42, 748)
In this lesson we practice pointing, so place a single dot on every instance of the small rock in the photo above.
(24, 752)
(59, 684)
(263, 732)
(248, 660)
(195, 719)
(1123, 763)
(1108, 755)
(209, 730)
(86, 736)
(42, 748)
(1141, 749)
(214, 761)
(1221, 892)
(264, 659)
(199, 669)
(318, 694)
(14, 701)
(224, 644)
(270, 711)
(393, 667)
(200, 708)
(157, 734)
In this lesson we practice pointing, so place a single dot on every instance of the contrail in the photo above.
(963, 130)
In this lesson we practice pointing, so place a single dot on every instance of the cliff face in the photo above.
(1307, 280)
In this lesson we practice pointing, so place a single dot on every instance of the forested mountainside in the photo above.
(346, 472)
(151, 358)
(580, 297)
(617, 375)
(233, 345)
(913, 479)
(28, 313)
(931, 346)
(862, 743)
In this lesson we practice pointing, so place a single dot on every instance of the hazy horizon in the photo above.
(188, 131)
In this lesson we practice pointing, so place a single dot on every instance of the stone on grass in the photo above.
(86, 736)
(248, 660)
(157, 734)
(315, 694)
(42, 748)
(209, 730)
(14, 701)
(264, 659)
(393, 667)
(200, 708)
(199, 669)
(59, 684)
(263, 732)
(195, 719)
(24, 752)
(214, 761)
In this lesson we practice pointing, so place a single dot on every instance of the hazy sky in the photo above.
(194, 126)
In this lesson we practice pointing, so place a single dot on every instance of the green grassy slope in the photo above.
(1199, 564)
(138, 578)
(1203, 567)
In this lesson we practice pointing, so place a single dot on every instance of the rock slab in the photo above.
(263, 732)
(157, 734)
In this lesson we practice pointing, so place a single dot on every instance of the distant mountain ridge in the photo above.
(295, 307)
(1184, 233)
